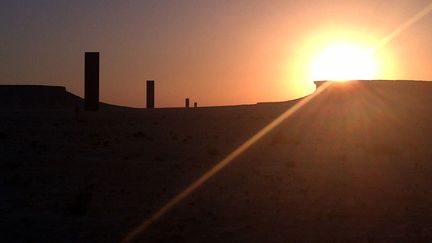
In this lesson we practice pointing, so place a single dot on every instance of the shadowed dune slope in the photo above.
(36, 97)
(353, 165)
(40, 98)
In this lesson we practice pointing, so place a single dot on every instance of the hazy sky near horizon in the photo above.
(214, 52)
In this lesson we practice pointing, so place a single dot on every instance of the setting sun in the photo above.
(344, 61)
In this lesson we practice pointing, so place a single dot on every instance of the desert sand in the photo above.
(353, 165)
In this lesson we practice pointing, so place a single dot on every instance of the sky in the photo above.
(215, 52)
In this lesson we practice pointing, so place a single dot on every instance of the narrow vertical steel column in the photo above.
(150, 94)
(91, 81)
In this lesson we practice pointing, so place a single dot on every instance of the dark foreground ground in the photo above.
(354, 165)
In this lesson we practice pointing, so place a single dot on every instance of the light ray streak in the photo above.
(219, 166)
(246, 145)
(418, 16)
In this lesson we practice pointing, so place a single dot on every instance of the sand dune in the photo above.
(353, 165)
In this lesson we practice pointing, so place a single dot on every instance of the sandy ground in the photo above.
(353, 165)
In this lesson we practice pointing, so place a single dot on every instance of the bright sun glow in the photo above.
(343, 62)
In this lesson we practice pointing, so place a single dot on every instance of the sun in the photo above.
(344, 61)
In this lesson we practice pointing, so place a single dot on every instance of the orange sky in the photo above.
(214, 52)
